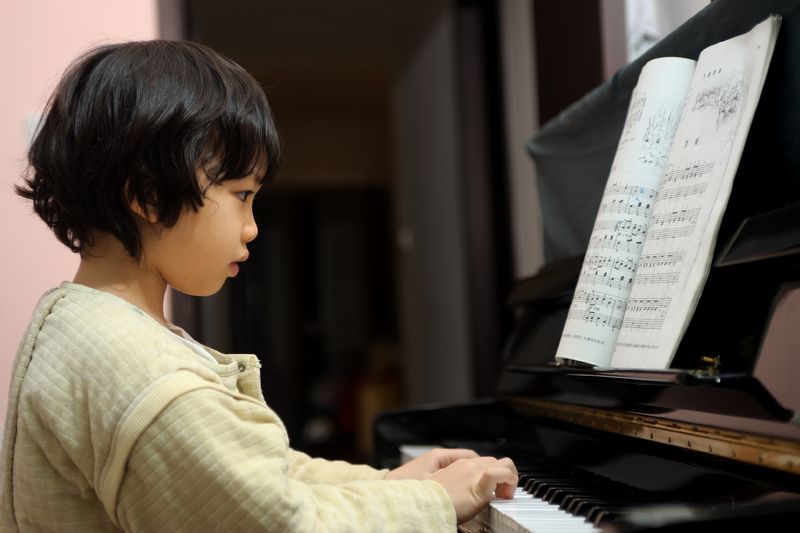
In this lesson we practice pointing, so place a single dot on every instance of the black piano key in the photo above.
(578, 503)
(569, 497)
(598, 512)
(606, 516)
(586, 506)
(535, 481)
(579, 492)
(550, 494)
(542, 489)
(558, 494)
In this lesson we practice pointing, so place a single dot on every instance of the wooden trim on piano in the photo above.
(769, 452)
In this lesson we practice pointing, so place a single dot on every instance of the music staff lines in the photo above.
(600, 299)
(688, 216)
(671, 233)
(621, 226)
(642, 323)
(670, 193)
(618, 235)
(628, 199)
(690, 172)
(649, 305)
(609, 311)
(661, 259)
(591, 316)
(611, 242)
(627, 189)
(625, 207)
(597, 262)
(647, 279)
(607, 278)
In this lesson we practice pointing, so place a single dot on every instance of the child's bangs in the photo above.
(246, 141)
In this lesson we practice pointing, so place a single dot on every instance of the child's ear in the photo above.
(145, 212)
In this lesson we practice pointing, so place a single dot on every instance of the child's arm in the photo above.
(211, 462)
(316, 470)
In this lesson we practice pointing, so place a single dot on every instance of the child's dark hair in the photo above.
(134, 122)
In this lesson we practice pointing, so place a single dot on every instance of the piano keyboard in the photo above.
(552, 498)
(526, 513)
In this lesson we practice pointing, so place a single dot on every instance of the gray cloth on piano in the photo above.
(573, 152)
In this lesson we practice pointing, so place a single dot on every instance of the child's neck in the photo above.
(107, 266)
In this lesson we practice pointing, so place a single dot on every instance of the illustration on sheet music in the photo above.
(658, 135)
(725, 99)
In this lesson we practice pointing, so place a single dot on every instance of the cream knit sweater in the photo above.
(115, 424)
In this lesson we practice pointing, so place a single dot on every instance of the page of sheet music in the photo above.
(692, 197)
(597, 309)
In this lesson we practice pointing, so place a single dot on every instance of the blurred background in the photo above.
(406, 207)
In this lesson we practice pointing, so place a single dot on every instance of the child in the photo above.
(146, 163)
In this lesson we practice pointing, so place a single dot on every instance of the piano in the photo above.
(711, 443)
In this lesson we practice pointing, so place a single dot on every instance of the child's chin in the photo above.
(207, 290)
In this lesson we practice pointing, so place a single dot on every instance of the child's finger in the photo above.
(494, 479)
(505, 491)
(447, 457)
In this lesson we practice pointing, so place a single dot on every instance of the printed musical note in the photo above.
(648, 305)
(607, 270)
(682, 192)
(595, 318)
(690, 172)
(626, 199)
(676, 216)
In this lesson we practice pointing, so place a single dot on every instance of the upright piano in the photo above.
(709, 444)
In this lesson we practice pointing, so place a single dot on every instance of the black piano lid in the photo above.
(647, 391)
(762, 236)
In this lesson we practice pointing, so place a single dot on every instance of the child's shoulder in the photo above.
(86, 310)
(85, 321)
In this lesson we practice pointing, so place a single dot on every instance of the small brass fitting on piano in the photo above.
(709, 365)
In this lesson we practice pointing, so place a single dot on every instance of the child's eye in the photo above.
(243, 195)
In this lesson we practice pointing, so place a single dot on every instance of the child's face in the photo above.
(204, 248)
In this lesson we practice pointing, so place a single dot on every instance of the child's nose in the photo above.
(250, 230)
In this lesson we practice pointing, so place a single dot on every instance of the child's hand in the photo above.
(471, 483)
(424, 466)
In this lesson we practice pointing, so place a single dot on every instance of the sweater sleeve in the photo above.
(213, 462)
(316, 470)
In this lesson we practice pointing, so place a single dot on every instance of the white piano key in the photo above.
(532, 515)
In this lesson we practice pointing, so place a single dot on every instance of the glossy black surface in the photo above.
(601, 476)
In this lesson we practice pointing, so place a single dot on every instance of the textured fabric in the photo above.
(114, 423)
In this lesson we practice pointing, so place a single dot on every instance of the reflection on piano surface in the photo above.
(711, 443)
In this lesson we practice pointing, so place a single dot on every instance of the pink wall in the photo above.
(38, 39)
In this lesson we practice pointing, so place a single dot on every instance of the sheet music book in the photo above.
(650, 249)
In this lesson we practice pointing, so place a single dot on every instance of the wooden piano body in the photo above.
(715, 439)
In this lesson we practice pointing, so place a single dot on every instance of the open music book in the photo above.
(650, 249)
